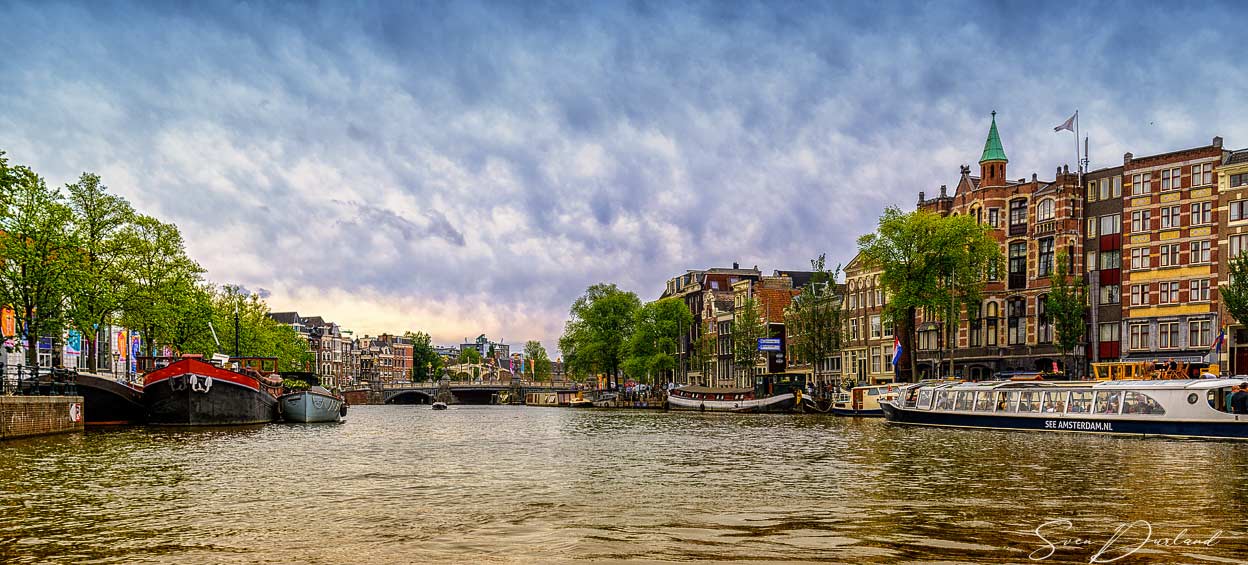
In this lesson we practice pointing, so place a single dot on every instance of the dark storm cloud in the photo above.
(487, 161)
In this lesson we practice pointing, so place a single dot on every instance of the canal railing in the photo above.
(20, 380)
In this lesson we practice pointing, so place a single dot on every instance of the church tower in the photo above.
(992, 164)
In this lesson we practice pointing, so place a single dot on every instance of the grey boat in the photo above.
(315, 404)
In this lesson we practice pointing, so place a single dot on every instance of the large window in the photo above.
(875, 327)
(854, 331)
(1109, 332)
(1139, 336)
(1141, 221)
(1045, 265)
(1111, 260)
(1111, 294)
(1237, 244)
(1117, 187)
(1237, 210)
(1045, 210)
(1168, 335)
(1202, 213)
(1139, 258)
(1139, 294)
(1202, 174)
(1111, 224)
(1018, 264)
(993, 314)
(1199, 333)
(1200, 252)
(1198, 290)
(1170, 255)
(1016, 310)
(994, 217)
(1168, 292)
(1167, 175)
(1139, 403)
(1239, 180)
(1140, 184)
(1171, 216)
(1018, 217)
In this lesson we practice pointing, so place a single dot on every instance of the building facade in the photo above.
(867, 355)
(1232, 218)
(1102, 248)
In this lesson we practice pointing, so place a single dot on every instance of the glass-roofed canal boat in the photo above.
(1175, 408)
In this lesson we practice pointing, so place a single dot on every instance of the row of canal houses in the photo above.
(341, 359)
(1151, 237)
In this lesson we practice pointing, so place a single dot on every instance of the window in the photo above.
(1080, 402)
(879, 296)
(1091, 261)
(1109, 333)
(853, 301)
(983, 402)
(1018, 214)
(1139, 294)
(875, 360)
(1141, 220)
(1111, 294)
(853, 329)
(1239, 180)
(1044, 210)
(925, 399)
(1045, 265)
(1055, 401)
(1238, 243)
(1170, 216)
(1139, 258)
(1111, 260)
(993, 219)
(1044, 328)
(1237, 210)
(1168, 334)
(1139, 403)
(1202, 174)
(1107, 402)
(1117, 187)
(1202, 213)
(1092, 191)
(1016, 309)
(1104, 185)
(1140, 184)
(1091, 230)
(1198, 290)
(1029, 401)
(991, 322)
(1018, 264)
(1170, 255)
(886, 357)
(888, 329)
(1168, 292)
(1139, 336)
(1167, 175)
(1199, 333)
(1111, 224)
(944, 400)
(1200, 252)
(1007, 401)
(875, 327)
(966, 399)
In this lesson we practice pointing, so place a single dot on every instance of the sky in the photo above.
(471, 167)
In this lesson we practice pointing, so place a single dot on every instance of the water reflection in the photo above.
(498, 484)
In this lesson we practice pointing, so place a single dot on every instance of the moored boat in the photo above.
(108, 401)
(315, 404)
(771, 393)
(865, 400)
(1174, 408)
(192, 392)
(439, 405)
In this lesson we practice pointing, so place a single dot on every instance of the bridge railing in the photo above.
(37, 381)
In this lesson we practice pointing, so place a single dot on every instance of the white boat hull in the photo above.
(777, 403)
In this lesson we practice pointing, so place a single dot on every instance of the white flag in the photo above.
(1068, 125)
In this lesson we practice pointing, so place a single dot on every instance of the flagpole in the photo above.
(1078, 159)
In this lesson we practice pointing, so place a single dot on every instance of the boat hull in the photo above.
(858, 413)
(193, 393)
(306, 406)
(108, 402)
(1057, 423)
(772, 404)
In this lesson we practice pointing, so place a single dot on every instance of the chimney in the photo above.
(1217, 141)
(735, 265)
(1126, 158)
(920, 197)
(1065, 169)
(1059, 171)
(1033, 177)
(942, 191)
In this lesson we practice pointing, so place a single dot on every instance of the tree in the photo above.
(929, 261)
(41, 254)
(1067, 306)
(747, 329)
(425, 359)
(469, 356)
(258, 334)
(161, 275)
(815, 320)
(98, 218)
(595, 337)
(652, 347)
(535, 354)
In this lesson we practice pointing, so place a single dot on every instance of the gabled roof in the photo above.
(992, 147)
(1236, 157)
(288, 318)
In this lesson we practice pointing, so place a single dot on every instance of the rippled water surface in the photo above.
(405, 484)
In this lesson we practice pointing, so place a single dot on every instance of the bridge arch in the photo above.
(409, 396)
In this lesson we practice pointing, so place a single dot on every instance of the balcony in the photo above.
(1046, 227)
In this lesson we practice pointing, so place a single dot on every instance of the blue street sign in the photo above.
(769, 344)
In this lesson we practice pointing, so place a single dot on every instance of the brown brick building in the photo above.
(1232, 220)
(867, 356)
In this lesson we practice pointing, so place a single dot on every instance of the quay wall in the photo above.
(22, 416)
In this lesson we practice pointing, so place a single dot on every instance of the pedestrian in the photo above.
(1229, 396)
(1240, 400)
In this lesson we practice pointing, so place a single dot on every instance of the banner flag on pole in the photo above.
(1068, 125)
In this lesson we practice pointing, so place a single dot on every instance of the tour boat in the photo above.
(108, 401)
(865, 400)
(315, 404)
(192, 392)
(724, 399)
(1175, 408)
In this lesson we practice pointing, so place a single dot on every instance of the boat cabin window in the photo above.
(1029, 401)
(1080, 402)
(966, 399)
(944, 400)
(983, 402)
(1140, 403)
(1055, 401)
(1007, 401)
(1107, 402)
(873, 392)
(925, 399)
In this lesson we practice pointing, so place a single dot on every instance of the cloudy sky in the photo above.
(471, 167)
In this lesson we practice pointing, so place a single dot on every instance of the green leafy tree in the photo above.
(98, 218)
(815, 320)
(1067, 306)
(969, 254)
(41, 254)
(539, 362)
(1234, 294)
(469, 356)
(425, 359)
(160, 277)
(652, 347)
(747, 329)
(595, 338)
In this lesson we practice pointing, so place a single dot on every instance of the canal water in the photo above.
(482, 484)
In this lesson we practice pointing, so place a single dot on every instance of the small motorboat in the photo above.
(439, 405)
(315, 404)
(580, 401)
(864, 401)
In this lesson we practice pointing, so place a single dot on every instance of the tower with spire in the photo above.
(992, 163)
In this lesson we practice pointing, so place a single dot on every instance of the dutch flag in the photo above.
(896, 351)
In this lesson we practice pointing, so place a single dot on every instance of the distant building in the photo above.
(1232, 214)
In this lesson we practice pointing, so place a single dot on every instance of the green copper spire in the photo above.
(992, 147)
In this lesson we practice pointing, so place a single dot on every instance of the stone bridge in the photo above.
(464, 392)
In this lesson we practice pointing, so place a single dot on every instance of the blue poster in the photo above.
(73, 342)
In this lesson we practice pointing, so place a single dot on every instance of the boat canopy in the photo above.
(1197, 384)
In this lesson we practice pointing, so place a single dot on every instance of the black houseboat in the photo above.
(192, 392)
(110, 402)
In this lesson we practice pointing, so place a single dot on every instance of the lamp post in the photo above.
(236, 354)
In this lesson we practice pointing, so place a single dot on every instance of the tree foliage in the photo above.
(815, 320)
(425, 359)
(653, 345)
(1234, 294)
(1067, 306)
(595, 338)
(747, 329)
(98, 219)
(469, 356)
(537, 360)
(162, 280)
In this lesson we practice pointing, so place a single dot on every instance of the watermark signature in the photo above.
(1127, 539)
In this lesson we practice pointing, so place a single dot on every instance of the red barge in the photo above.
(192, 392)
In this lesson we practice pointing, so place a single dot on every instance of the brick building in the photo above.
(1102, 247)
(1232, 213)
(1033, 220)
(696, 288)
(1170, 242)
(867, 355)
